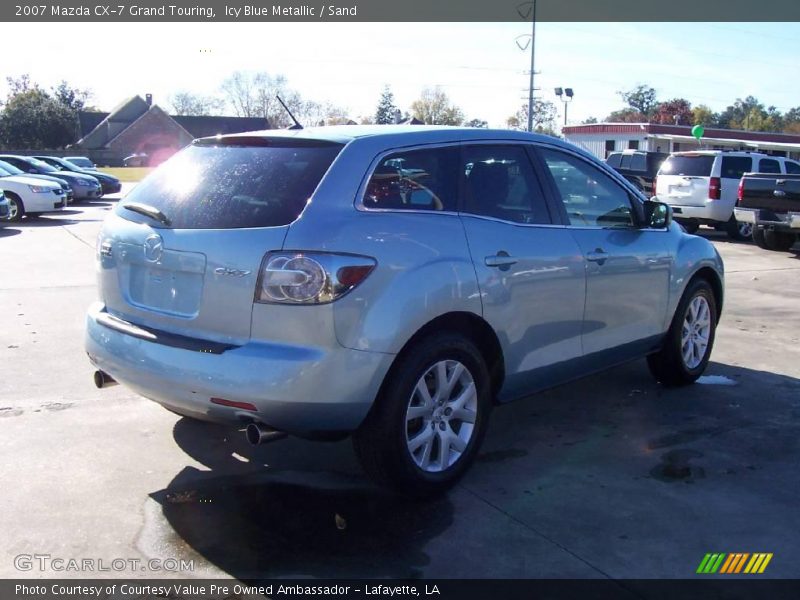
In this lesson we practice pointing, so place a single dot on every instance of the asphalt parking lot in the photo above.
(610, 476)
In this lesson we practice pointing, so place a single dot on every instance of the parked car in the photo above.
(701, 186)
(83, 186)
(304, 283)
(136, 160)
(82, 161)
(108, 183)
(4, 209)
(9, 169)
(637, 166)
(772, 205)
(30, 195)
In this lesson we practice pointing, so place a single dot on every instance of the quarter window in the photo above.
(591, 198)
(792, 167)
(415, 180)
(733, 167)
(499, 182)
(767, 165)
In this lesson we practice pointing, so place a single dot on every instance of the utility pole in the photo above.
(533, 55)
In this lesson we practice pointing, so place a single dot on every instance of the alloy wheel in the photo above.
(441, 415)
(696, 332)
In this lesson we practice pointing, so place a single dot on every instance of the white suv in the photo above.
(701, 186)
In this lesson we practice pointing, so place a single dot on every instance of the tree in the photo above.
(478, 123)
(641, 98)
(791, 120)
(434, 108)
(626, 115)
(736, 115)
(384, 114)
(32, 119)
(703, 115)
(73, 98)
(677, 111)
(189, 104)
(241, 95)
(589, 121)
(544, 117)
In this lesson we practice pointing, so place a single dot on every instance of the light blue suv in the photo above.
(393, 283)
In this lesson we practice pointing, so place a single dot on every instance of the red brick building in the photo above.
(137, 126)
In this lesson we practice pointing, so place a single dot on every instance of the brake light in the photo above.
(310, 277)
(740, 192)
(714, 188)
(234, 404)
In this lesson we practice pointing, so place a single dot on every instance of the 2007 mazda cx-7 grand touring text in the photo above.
(390, 282)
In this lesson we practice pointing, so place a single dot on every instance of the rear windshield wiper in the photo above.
(148, 211)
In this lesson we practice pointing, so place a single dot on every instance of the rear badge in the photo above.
(153, 248)
(231, 272)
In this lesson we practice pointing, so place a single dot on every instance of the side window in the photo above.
(591, 198)
(768, 165)
(614, 159)
(792, 167)
(499, 182)
(415, 180)
(639, 162)
(733, 167)
(626, 161)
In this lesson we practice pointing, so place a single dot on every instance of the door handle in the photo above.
(598, 255)
(501, 259)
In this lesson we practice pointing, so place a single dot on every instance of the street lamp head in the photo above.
(559, 91)
(569, 92)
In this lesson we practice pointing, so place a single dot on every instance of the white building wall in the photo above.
(596, 143)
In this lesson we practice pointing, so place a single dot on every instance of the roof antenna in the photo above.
(286, 108)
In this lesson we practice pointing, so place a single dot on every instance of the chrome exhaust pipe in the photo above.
(103, 380)
(258, 434)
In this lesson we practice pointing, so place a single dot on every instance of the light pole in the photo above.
(565, 95)
(523, 47)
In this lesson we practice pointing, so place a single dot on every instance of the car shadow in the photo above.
(296, 508)
(293, 508)
(6, 231)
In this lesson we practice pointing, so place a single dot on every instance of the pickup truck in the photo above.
(772, 204)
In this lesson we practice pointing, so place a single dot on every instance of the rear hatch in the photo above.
(684, 179)
(182, 251)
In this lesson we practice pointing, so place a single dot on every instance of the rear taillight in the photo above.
(310, 277)
(740, 192)
(714, 188)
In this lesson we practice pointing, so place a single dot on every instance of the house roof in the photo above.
(207, 126)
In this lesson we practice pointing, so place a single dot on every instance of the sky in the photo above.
(478, 65)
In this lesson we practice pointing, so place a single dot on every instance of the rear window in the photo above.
(734, 167)
(231, 187)
(693, 165)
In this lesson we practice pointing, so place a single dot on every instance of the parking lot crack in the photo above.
(550, 540)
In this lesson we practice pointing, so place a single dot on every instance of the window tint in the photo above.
(639, 162)
(415, 180)
(591, 198)
(735, 166)
(626, 161)
(614, 159)
(499, 182)
(768, 165)
(693, 165)
(792, 167)
(228, 187)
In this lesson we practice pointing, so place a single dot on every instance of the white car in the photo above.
(701, 187)
(31, 196)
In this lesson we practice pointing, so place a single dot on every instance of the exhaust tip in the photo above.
(102, 380)
(258, 434)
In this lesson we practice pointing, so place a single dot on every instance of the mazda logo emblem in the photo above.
(153, 248)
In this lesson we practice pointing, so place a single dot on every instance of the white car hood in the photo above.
(30, 181)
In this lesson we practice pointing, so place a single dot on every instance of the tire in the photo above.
(759, 238)
(670, 366)
(384, 441)
(779, 241)
(690, 225)
(738, 231)
(16, 209)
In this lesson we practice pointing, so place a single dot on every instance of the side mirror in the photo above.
(657, 215)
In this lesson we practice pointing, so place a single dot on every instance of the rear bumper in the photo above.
(768, 219)
(306, 391)
(712, 211)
